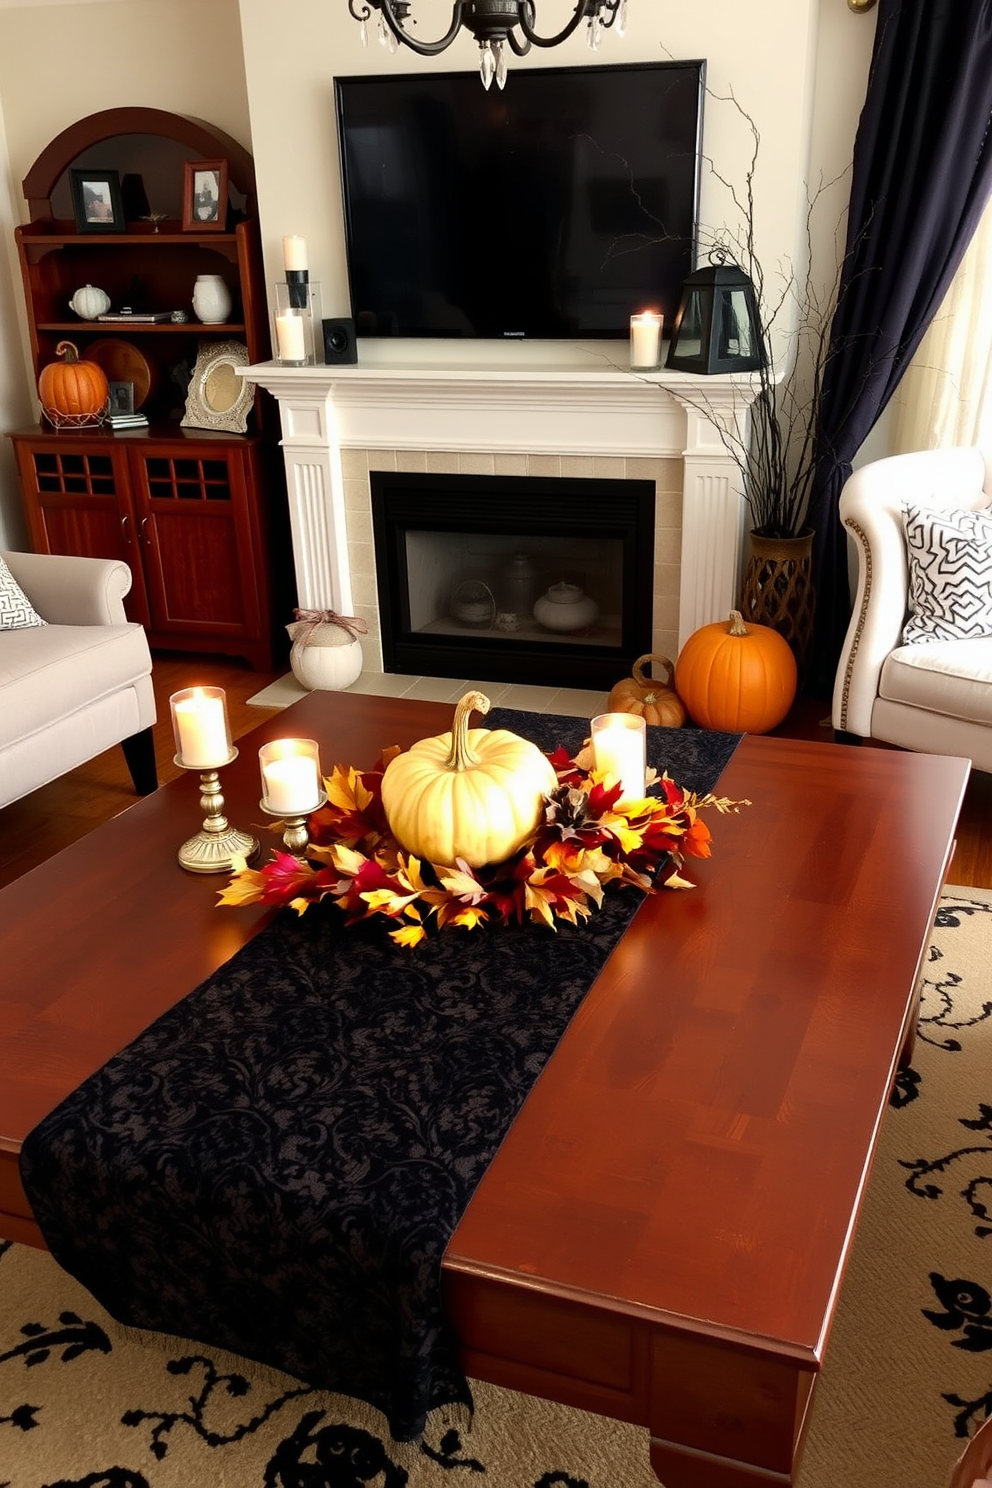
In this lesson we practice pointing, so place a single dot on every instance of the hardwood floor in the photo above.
(43, 823)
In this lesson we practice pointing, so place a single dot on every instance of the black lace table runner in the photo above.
(276, 1165)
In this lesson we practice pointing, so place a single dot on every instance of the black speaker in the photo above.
(339, 342)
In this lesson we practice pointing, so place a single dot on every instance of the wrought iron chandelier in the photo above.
(495, 24)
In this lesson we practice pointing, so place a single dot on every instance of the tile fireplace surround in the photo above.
(534, 410)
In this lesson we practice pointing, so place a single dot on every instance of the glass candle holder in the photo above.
(645, 341)
(298, 330)
(619, 748)
(200, 727)
(290, 777)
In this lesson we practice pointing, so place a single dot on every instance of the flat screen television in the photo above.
(553, 210)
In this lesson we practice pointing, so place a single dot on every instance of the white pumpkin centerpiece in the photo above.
(475, 794)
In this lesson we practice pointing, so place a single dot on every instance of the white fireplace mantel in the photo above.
(577, 403)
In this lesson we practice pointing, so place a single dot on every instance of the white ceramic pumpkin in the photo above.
(89, 302)
(475, 794)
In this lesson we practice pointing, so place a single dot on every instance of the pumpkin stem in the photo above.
(737, 626)
(460, 756)
(638, 672)
(68, 351)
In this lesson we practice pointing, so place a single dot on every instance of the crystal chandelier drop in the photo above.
(495, 24)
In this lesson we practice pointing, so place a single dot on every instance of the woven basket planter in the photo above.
(778, 589)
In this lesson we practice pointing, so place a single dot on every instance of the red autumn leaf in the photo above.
(564, 766)
(672, 793)
(602, 799)
(286, 878)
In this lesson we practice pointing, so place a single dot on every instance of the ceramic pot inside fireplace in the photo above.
(565, 607)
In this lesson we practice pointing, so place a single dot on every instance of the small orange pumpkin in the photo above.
(736, 677)
(655, 702)
(70, 387)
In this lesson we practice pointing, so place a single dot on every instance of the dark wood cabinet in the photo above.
(181, 510)
(199, 516)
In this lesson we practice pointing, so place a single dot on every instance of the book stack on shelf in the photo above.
(126, 421)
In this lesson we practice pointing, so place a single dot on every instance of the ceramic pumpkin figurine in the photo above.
(475, 794)
(70, 388)
(736, 677)
(655, 702)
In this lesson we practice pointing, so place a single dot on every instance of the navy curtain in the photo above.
(921, 178)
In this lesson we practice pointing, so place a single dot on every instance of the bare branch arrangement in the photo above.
(777, 456)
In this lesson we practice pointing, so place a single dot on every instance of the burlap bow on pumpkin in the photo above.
(307, 622)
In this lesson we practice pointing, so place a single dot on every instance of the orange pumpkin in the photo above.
(655, 702)
(71, 388)
(736, 677)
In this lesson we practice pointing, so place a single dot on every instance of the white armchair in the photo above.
(935, 697)
(77, 685)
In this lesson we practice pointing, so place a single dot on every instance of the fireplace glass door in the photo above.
(516, 579)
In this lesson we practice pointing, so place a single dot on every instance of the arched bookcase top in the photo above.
(203, 140)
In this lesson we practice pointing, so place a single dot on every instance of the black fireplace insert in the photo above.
(520, 579)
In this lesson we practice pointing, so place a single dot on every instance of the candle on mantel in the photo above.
(200, 717)
(618, 748)
(290, 340)
(290, 776)
(294, 254)
(645, 340)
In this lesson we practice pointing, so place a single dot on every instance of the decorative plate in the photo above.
(217, 398)
(121, 361)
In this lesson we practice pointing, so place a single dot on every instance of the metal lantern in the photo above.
(717, 327)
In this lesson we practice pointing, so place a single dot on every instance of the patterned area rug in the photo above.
(87, 1404)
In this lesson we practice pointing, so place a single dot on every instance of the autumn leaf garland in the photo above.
(586, 841)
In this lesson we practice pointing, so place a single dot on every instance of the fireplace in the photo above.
(545, 409)
(515, 579)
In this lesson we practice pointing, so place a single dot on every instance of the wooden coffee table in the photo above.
(663, 1234)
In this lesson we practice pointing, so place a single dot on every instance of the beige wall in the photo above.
(59, 63)
(263, 70)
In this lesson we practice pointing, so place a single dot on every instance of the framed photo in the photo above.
(96, 201)
(217, 398)
(205, 196)
(121, 398)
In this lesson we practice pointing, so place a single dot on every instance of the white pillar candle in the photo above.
(290, 784)
(618, 747)
(201, 723)
(289, 338)
(645, 339)
(294, 253)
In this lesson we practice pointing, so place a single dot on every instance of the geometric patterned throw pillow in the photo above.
(16, 610)
(950, 574)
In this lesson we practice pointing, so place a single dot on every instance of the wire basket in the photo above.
(74, 420)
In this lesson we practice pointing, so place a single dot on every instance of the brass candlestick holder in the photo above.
(297, 834)
(214, 848)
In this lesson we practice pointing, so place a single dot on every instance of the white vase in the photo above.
(330, 661)
(211, 299)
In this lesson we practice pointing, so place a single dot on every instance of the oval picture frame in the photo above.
(217, 398)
